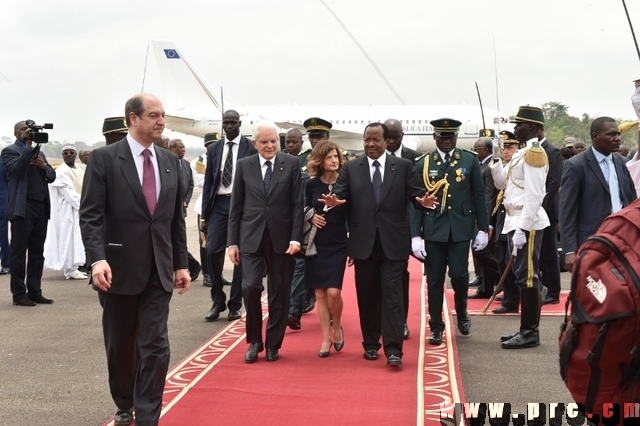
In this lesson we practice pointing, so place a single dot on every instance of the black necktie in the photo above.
(227, 172)
(267, 178)
(377, 182)
(447, 157)
(393, 154)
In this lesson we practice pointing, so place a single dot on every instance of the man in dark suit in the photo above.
(222, 159)
(177, 147)
(134, 235)
(376, 188)
(549, 262)
(265, 230)
(453, 175)
(594, 184)
(397, 149)
(486, 264)
(28, 210)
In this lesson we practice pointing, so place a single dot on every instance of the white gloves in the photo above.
(519, 240)
(417, 247)
(481, 241)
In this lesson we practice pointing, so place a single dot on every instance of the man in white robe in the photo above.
(63, 248)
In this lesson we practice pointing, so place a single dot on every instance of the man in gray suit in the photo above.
(265, 230)
(133, 229)
(595, 183)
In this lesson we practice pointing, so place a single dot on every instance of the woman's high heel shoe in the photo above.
(324, 354)
(339, 345)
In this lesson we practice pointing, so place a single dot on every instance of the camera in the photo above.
(37, 136)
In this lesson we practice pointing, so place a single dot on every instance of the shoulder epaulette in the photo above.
(470, 152)
(421, 157)
(306, 151)
(536, 156)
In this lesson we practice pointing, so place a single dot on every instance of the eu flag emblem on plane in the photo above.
(171, 54)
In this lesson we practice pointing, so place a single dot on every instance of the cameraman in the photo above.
(28, 207)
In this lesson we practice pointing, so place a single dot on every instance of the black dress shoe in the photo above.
(123, 417)
(308, 307)
(522, 341)
(252, 352)
(5, 271)
(499, 298)
(464, 325)
(214, 313)
(506, 337)
(225, 281)
(480, 295)
(24, 302)
(41, 299)
(550, 301)
(475, 282)
(371, 354)
(294, 323)
(405, 332)
(272, 355)
(394, 361)
(505, 310)
(206, 280)
(435, 338)
(234, 315)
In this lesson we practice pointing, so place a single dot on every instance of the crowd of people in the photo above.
(299, 218)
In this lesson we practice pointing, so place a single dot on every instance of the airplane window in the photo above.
(419, 121)
(413, 121)
(349, 121)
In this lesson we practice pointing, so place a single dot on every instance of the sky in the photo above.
(74, 63)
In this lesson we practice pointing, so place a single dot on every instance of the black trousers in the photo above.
(279, 273)
(137, 345)
(202, 243)
(380, 300)
(216, 248)
(549, 262)
(510, 292)
(27, 239)
(486, 266)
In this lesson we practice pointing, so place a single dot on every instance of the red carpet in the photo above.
(475, 306)
(215, 386)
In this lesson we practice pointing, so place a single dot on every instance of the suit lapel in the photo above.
(389, 175)
(365, 177)
(619, 167)
(595, 168)
(130, 173)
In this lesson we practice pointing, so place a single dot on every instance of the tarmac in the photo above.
(54, 369)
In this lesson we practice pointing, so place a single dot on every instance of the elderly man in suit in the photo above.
(265, 230)
(222, 161)
(28, 210)
(395, 148)
(595, 184)
(376, 188)
(133, 228)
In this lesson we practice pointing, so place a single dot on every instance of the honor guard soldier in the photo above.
(523, 180)
(511, 294)
(453, 176)
(317, 130)
(114, 129)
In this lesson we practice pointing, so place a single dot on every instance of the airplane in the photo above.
(192, 106)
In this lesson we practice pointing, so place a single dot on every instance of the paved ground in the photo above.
(53, 368)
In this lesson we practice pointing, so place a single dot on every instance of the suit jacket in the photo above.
(213, 175)
(116, 224)
(390, 219)
(490, 191)
(187, 181)
(585, 199)
(16, 159)
(554, 176)
(282, 211)
(409, 153)
(465, 208)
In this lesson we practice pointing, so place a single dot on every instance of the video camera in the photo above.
(37, 136)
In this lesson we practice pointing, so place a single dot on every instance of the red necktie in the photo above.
(149, 181)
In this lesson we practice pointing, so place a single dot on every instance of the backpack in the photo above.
(600, 340)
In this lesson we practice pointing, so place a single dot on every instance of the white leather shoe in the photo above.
(76, 275)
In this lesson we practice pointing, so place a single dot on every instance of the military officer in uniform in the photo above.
(114, 129)
(511, 294)
(453, 175)
(523, 180)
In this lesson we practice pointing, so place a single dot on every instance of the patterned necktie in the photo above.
(149, 181)
(447, 157)
(612, 180)
(377, 182)
(267, 178)
(227, 172)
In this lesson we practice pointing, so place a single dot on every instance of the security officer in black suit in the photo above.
(397, 149)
